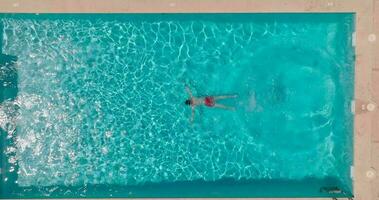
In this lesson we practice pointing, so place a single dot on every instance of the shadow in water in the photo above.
(8, 92)
(8, 77)
(8, 72)
(224, 188)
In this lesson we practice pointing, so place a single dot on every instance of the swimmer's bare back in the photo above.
(208, 101)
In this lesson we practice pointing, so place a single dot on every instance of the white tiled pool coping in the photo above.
(366, 131)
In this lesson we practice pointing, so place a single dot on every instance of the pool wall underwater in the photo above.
(324, 185)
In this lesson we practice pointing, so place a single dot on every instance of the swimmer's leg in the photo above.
(225, 97)
(223, 107)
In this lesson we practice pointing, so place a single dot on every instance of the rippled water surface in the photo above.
(101, 100)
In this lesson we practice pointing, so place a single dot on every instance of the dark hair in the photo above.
(188, 102)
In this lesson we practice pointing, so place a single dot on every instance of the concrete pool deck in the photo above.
(366, 131)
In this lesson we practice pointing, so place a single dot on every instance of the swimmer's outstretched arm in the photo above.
(192, 114)
(189, 91)
(225, 97)
(224, 107)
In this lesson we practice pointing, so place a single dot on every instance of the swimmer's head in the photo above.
(188, 102)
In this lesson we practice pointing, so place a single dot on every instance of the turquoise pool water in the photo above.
(95, 105)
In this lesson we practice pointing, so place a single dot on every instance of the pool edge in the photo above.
(366, 137)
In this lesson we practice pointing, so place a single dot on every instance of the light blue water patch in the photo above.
(101, 102)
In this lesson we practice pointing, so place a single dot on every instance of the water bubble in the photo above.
(108, 134)
(71, 154)
(104, 150)
(11, 150)
(11, 169)
(12, 160)
(124, 133)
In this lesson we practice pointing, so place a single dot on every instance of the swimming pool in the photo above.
(94, 105)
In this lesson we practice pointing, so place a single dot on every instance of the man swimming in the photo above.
(209, 101)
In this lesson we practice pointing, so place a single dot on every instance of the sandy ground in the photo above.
(366, 131)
